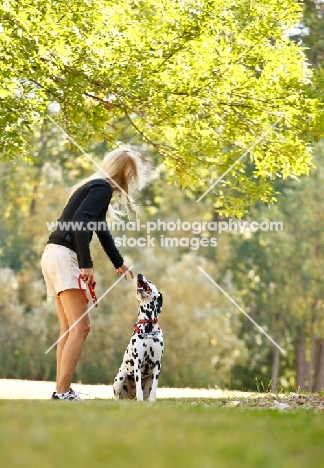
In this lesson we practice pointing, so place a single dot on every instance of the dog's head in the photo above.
(148, 293)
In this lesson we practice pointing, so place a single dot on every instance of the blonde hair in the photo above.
(123, 170)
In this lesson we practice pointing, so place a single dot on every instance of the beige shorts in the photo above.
(60, 269)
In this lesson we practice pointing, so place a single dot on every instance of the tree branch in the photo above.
(108, 105)
(162, 152)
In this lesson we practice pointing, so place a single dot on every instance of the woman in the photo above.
(67, 255)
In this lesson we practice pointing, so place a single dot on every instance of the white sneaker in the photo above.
(70, 395)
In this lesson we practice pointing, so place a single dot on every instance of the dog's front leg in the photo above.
(138, 360)
(138, 379)
(155, 380)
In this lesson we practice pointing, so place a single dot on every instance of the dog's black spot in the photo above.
(137, 378)
(121, 378)
(125, 388)
(131, 362)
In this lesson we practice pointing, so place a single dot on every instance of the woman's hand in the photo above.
(121, 270)
(87, 276)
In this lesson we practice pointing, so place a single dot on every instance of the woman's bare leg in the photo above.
(74, 307)
(64, 326)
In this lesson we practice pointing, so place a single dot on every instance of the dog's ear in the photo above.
(160, 301)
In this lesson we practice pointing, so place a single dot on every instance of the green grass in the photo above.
(167, 433)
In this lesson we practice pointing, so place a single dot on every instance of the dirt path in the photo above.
(11, 389)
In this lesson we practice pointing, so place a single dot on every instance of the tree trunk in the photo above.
(300, 363)
(319, 366)
(275, 369)
(303, 369)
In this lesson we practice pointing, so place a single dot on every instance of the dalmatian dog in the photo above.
(139, 373)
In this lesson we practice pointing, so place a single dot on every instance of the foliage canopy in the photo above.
(199, 81)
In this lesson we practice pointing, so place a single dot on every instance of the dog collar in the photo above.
(136, 327)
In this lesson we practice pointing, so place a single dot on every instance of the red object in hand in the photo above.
(91, 290)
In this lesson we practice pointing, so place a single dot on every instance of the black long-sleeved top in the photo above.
(88, 203)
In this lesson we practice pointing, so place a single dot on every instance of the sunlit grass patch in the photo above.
(189, 433)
